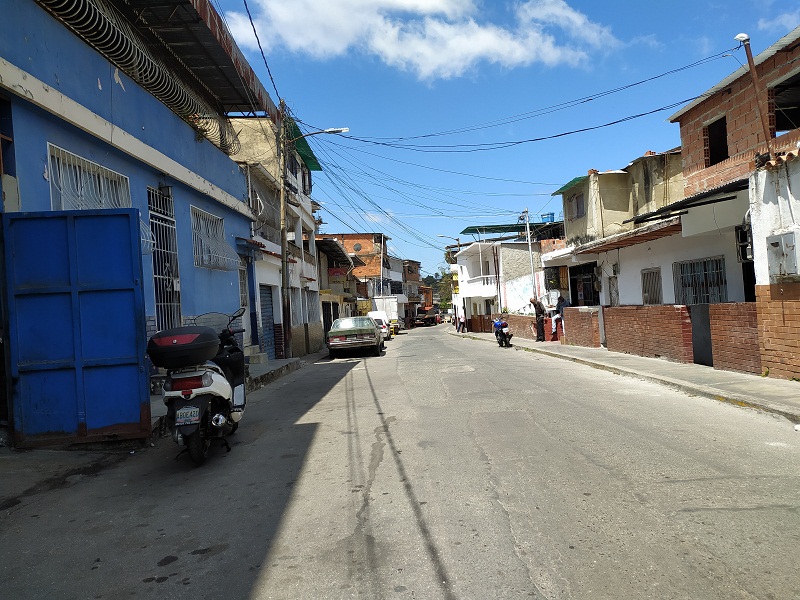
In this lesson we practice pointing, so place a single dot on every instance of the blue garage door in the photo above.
(76, 332)
(267, 322)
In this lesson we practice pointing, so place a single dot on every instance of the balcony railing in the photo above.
(483, 280)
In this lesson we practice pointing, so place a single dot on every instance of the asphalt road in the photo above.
(445, 468)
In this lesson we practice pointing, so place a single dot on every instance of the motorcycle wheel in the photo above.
(198, 447)
(234, 427)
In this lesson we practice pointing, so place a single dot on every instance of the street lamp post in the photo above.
(286, 299)
(458, 240)
(452, 291)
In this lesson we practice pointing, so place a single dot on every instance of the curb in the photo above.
(691, 389)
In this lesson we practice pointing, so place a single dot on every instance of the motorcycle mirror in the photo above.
(238, 313)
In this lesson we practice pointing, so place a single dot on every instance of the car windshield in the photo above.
(352, 322)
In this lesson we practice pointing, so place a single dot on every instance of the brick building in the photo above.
(727, 247)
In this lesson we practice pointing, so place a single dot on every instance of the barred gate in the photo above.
(166, 279)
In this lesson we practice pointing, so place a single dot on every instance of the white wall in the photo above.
(774, 209)
(713, 217)
(663, 253)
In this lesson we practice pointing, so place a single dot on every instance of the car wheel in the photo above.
(377, 350)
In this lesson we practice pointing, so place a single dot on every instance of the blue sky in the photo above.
(467, 112)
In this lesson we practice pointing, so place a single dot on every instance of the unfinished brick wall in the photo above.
(745, 134)
(582, 326)
(778, 309)
(734, 337)
(663, 331)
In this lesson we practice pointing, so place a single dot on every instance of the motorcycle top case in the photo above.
(183, 347)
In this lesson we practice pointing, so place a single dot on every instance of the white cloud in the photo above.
(784, 22)
(431, 38)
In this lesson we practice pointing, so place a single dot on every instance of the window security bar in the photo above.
(80, 184)
(208, 241)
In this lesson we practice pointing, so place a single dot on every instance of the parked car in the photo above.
(382, 319)
(354, 332)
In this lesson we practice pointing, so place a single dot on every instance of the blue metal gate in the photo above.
(76, 327)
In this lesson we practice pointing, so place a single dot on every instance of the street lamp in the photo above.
(285, 295)
(458, 240)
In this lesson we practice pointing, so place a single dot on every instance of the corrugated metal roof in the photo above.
(195, 35)
(570, 184)
(640, 235)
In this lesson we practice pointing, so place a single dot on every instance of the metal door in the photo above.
(267, 322)
(701, 334)
(76, 335)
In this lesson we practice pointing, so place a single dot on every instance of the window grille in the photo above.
(243, 291)
(80, 184)
(314, 307)
(208, 242)
(651, 286)
(700, 281)
(166, 278)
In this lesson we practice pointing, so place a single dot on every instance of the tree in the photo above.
(445, 287)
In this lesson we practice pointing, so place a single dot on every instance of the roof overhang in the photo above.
(570, 184)
(722, 193)
(191, 33)
(334, 250)
(640, 235)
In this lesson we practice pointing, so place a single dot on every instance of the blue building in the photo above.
(124, 105)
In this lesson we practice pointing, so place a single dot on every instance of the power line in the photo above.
(564, 105)
(263, 56)
(463, 148)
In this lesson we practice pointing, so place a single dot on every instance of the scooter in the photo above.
(502, 333)
(204, 389)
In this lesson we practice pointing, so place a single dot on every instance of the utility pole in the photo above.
(530, 252)
(286, 299)
(744, 39)
(283, 150)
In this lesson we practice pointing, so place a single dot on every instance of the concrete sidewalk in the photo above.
(777, 396)
(27, 473)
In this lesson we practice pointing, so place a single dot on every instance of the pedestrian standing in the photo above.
(462, 324)
(559, 316)
(538, 309)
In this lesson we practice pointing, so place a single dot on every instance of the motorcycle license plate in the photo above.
(188, 415)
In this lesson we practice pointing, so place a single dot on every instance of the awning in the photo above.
(640, 235)
(302, 148)
(570, 184)
(484, 229)
(335, 251)
(698, 199)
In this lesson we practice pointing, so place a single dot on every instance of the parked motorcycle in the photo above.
(502, 332)
(205, 385)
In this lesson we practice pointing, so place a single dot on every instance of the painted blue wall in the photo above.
(37, 43)
(40, 45)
